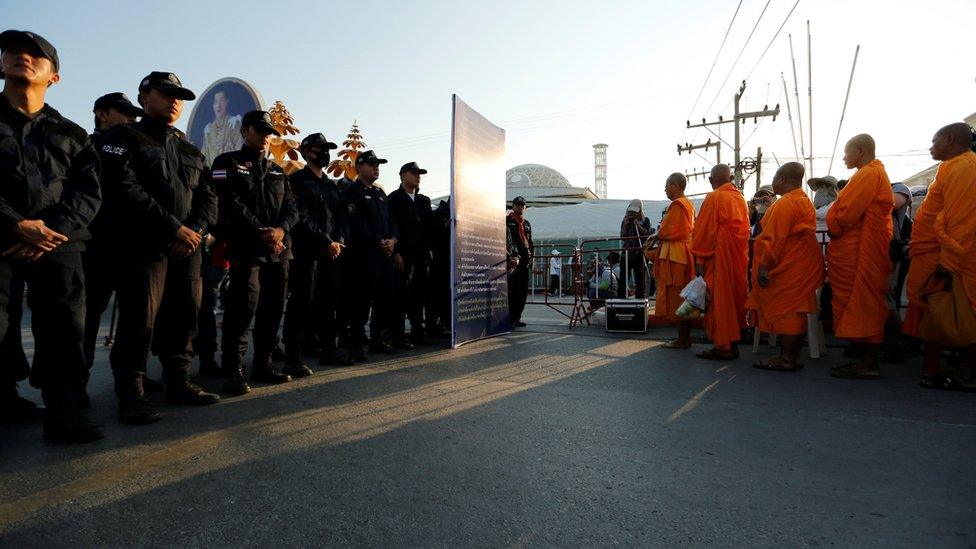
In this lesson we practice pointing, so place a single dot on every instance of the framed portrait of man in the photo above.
(215, 122)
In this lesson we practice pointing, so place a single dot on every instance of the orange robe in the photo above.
(720, 244)
(924, 253)
(857, 257)
(956, 223)
(674, 267)
(788, 248)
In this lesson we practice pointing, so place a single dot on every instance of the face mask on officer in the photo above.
(319, 157)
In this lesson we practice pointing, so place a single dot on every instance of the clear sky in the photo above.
(558, 75)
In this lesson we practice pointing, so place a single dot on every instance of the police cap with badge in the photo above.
(369, 157)
(167, 83)
(118, 101)
(36, 43)
(259, 120)
(318, 141)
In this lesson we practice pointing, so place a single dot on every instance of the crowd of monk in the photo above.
(774, 286)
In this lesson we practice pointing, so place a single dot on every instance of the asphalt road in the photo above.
(545, 437)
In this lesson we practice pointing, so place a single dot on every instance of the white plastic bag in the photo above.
(696, 293)
(687, 311)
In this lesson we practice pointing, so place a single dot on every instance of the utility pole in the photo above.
(688, 147)
(696, 175)
(758, 168)
(743, 116)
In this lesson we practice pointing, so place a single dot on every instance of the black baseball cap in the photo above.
(166, 82)
(118, 101)
(412, 167)
(11, 38)
(369, 157)
(518, 200)
(259, 120)
(318, 140)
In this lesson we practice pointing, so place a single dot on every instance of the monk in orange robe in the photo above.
(720, 244)
(674, 266)
(787, 268)
(860, 228)
(943, 242)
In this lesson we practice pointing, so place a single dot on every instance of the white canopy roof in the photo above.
(590, 219)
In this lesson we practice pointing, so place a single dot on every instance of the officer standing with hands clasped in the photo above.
(257, 213)
(161, 195)
(368, 267)
(412, 215)
(319, 240)
(49, 194)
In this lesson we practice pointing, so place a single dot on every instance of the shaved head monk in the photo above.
(942, 243)
(675, 267)
(720, 244)
(787, 268)
(860, 227)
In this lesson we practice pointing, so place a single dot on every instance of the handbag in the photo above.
(950, 320)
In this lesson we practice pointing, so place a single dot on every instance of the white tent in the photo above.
(591, 219)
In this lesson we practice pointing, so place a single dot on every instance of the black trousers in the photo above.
(14, 366)
(256, 292)
(553, 284)
(635, 270)
(312, 305)
(367, 295)
(101, 279)
(412, 299)
(518, 291)
(57, 302)
(205, 343)
(159, 301)
(439, 292)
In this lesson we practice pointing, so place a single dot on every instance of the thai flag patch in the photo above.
(219, 174)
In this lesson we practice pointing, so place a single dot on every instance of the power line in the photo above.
(712, 68)
(775, 35)
(738, 57)
(783, 24)
(588, 109)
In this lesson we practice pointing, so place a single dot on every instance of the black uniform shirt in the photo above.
(369, 217)
(322, 211)
(48, 171)
(159, 181)
(254, 196)
(104, 228)
(413, 218)
(523, 246)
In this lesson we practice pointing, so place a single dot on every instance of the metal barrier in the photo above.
(581, 309)
(545, 257)
(628, 244)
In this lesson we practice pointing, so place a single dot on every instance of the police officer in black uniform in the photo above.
(49, 193)
(314, 279)
(163, 199)
(520, 231)
(257, 213)
(102, 253)
(413, 216)
(368, 267)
